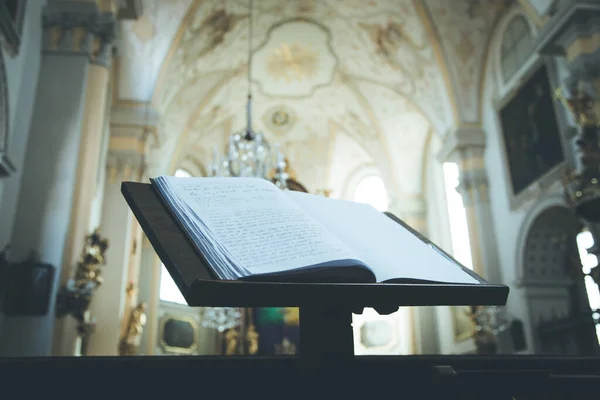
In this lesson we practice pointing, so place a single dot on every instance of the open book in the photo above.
(248, 229)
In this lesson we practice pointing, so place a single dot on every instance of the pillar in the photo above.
(413, 211)
(465, 145)
(574, 35)
(89, 168)
(74, 35)
(113, 301)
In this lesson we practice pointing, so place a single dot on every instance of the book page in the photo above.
(388, 249)
(260, 227)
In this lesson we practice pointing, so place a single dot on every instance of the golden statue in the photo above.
(285, 348)
(76, 294)
(231, 341)
(130, 342)
(90, 261)
(252, 340)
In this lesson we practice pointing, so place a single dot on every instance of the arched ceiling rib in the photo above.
(368, 67)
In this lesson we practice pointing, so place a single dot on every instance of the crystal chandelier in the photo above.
(248, 153)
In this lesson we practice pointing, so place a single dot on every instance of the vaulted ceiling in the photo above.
(329, 77)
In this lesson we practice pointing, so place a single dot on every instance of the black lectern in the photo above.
(325, 308)
(326, 367)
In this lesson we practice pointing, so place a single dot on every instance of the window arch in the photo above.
(371, 190)
(183, 173)
(517, 42)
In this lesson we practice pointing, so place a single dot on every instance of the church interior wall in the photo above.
(509, 216)
(182, 143)
(22, 78)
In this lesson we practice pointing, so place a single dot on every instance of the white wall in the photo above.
(509, 223)
(22, 75)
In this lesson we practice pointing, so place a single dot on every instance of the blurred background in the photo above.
(474, 121)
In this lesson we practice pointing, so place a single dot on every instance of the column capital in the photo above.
(462, 142)
(127, 151)
(465, 145)
(75, 27)
(411, 210)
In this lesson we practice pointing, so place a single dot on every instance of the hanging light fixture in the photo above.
(248, 153)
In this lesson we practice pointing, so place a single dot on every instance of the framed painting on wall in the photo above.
(531, 133)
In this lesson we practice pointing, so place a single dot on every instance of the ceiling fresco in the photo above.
(386, 73)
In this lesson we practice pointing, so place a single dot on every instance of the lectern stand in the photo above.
(326, 367)
(325, 308)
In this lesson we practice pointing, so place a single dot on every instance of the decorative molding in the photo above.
(573, 13)
(461, 139)
(74, 27)
(128, 150)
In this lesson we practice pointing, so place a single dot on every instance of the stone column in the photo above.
(112, 302)
(574, 35)
(74, 35)
(413, 211)
(465, 145)
(89, 169)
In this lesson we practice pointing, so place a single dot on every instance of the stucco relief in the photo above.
(389, 45)
(464, 34)
(291, 65)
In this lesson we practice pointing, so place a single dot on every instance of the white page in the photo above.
(389, 249)
(257, 223)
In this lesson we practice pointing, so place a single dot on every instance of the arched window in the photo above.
(459, 231)
(182, 173)
(371, 190)
(516, 46)
(168, 289)
(585, 240)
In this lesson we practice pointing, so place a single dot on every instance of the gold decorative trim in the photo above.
(583, 45)
(178, 350)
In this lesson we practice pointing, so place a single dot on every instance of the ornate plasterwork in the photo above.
(367, 68)
(381, 40)
(464, 33)
(295, 65)
(79, 28)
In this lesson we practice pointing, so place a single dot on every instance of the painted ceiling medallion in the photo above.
(296, 58)
(292, 62)
(279, 119)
